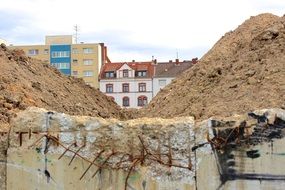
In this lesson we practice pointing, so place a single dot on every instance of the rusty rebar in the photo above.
(66, 150)
(106, 160)
(129, 172)
(92, 163)
(75, 154)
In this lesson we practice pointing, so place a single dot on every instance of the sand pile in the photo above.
(244, 71)
(27, 82)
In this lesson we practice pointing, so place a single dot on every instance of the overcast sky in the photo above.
(132, 29)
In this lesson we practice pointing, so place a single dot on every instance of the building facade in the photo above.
(82, 60)
(129, 84)
(134, 84)
(165, 72)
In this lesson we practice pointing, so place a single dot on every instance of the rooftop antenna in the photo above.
(177, 54)
(76, 29)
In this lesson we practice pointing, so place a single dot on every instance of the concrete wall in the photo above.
(29, 163)
(252, 158)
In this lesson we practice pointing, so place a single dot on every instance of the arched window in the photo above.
(142, 101)
(126, 101)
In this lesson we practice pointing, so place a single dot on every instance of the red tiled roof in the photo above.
(137, 66)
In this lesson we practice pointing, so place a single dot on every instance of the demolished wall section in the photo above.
(57, 151)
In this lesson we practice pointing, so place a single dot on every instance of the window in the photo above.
(46, 51)
(74, 61)
(162, 83)
(75, 50)
(126, 87)
(74, 73)
(61, 65)
(141, 73)
(88, 61)
(56, 54)
(110, 74)
(142, 101)
(88, 73)
(109, 88)
(87, 50)
(126, 101)
(33, 52)
(142, 87)
(125, 73)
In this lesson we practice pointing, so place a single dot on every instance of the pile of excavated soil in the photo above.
(244, 71)
(27, 82)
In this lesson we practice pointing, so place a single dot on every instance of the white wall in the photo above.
(133, 93)
(157, 86)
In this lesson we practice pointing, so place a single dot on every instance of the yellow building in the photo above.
(82, 60)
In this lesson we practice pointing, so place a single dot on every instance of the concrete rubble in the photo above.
(54, 151)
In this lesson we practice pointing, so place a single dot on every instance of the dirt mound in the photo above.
(27, 82)
(244, 71)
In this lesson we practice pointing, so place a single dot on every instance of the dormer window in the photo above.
(141, 74)
(109, 74)
(125, 73)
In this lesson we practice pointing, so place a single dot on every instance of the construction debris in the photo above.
(28, 82)
(244, 71)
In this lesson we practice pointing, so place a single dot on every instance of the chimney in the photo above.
(170, 61)
(133, 60)
(155, 61)
(105, 53)
(177, 62)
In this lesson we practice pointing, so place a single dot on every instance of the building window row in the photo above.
(126, 87)
(57, 54)
(109, 74)
(126, 101)
(61, 65)
(125, 73)
(87, 61)
(141, 74)
(142, 101)
(87, 50)
(36, 51)
(33, 52)
(109, 88)
(162, 82)
(88, 73)
(142, 87)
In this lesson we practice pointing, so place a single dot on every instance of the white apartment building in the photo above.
(134, 84)
(128, 83)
